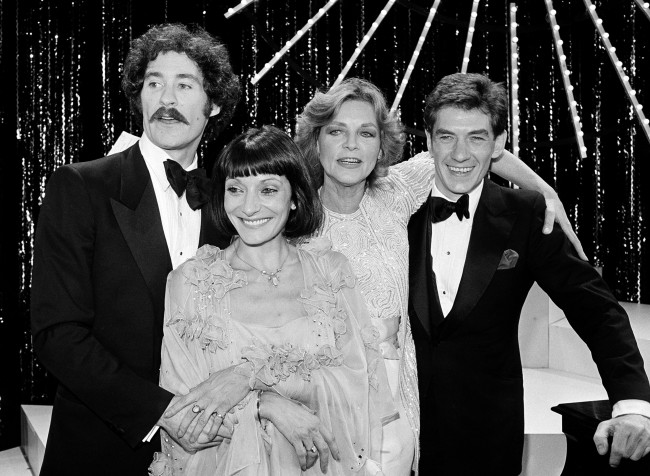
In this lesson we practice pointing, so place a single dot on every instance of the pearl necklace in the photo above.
(272, 276)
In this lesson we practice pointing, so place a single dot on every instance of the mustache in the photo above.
(168, 112)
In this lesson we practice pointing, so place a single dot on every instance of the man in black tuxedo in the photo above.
(473, 260)
(108, 233)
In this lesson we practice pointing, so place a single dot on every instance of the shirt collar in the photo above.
(155, 157)
(474, 197)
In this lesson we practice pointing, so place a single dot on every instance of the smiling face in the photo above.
(349, 145)
(258, 206)
(463, 145)
(175, 107)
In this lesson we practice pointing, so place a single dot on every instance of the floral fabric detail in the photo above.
(270, 363)
(212, 275)
(161, 465)
(212, 278)
(370, 337)
(317, 246)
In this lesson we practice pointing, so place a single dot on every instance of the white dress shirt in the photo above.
(181, 224)
(449, 244)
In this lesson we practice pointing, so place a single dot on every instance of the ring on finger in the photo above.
(313, 449)
(218, 415)
(196, 408)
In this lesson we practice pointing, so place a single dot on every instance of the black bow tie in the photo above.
(194, 183)
(442, 209)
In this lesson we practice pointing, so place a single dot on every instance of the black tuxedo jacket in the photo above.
(100, 268)
(469, 368)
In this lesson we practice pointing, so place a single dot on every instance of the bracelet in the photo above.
(257, 406)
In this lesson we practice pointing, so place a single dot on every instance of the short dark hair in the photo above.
(210, 55)
(324, 105)
(268, 150)
(469, 91)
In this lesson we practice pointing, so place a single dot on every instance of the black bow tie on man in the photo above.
(195, 184)
(442, 209)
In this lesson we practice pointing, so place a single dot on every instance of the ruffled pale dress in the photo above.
(375, 240)
(327, 359)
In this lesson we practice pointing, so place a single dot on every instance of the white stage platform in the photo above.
(557, 369)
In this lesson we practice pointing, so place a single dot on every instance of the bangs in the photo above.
(244, 163)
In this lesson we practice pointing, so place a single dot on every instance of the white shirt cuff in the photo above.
(628, 407)
(150, 435)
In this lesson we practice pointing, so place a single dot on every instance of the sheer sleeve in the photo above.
(196, 338)
(413, 179)
(354, 395)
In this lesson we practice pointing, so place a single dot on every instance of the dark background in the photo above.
(60, 64)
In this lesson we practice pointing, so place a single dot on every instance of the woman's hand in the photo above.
(170, 425)
(302, 428)
(555, 213)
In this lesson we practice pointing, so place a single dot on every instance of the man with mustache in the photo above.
(108, 233)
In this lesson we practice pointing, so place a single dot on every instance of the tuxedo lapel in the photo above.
(422, 285)
(490, 231)
(138, 217)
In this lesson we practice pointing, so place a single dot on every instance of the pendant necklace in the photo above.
(272, 276)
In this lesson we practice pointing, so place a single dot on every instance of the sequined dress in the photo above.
(375, 240)
(328, 359)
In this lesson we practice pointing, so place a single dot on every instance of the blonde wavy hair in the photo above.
(323, 107)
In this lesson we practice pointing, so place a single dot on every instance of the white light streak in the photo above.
(568, 88)
(470, 36)
(243, 4)
(645, 7)
(618, 65)
(278, 55)
(514, 78)
(415, 55)
(364, 42)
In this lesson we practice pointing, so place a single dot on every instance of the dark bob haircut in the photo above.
(210, 55)
(469, 91)
(268, 150)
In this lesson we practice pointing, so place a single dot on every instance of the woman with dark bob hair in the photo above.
(352, 142)
(268, 151)
(287, 316)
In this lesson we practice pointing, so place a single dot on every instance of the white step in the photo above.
(567, 352)
(13, 463)
(35, 425)
(544, 442)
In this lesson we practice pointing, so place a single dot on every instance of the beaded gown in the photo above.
(328, 359)
(375, 240)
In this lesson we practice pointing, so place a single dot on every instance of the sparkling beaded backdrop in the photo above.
(66, 58)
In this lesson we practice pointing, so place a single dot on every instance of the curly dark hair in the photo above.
(268, 150)
(211, 56)
(323, 107)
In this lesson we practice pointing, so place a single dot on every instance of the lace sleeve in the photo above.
(414, 179)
